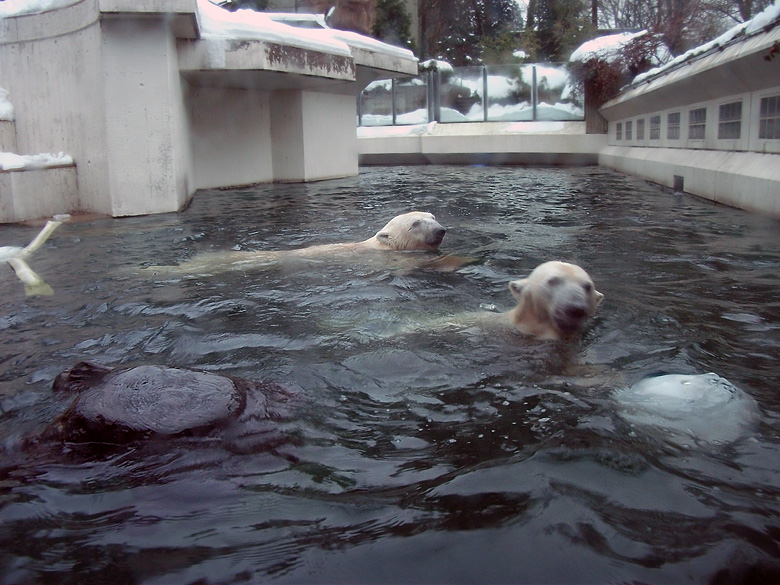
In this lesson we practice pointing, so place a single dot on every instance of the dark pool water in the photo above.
(433, 457)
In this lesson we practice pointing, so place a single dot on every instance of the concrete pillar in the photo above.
(304, 129)
(145, 135)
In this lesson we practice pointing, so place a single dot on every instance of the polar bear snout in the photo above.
(570, 317)
(436, 236)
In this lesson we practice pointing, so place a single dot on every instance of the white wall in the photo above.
(230, 136)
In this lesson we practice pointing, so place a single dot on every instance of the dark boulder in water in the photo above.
(141, 402)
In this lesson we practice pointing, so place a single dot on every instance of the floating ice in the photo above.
(688, 408)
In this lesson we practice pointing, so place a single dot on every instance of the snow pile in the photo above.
(607, 48)
(17, 7)
(440, 66)
(15, 162)
(217, 22)
(761, 20)
(248, 24)
(6, 107)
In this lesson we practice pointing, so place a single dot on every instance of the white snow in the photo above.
(6, 107)
(606, 48)
(17, 7)
(15, 162)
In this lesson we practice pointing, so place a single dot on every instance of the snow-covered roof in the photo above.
(768, 18)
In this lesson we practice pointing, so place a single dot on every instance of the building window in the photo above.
(697, 122)
(769, 118)
(619, 131)
(673, 126)
(629, 130)
(730, 121)
(640, 129)
(655, 127)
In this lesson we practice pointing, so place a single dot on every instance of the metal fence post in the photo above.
(392, 98)
(436, 96)
(484, 94)
(534, 96)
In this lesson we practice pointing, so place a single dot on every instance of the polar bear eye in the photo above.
(416, 223)
(588, 287)
(554, 281)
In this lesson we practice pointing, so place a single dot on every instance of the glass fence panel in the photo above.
(494, 93)
(411, 100)
(376, 104)
(559, 97)
(510, 93)
(460, 93)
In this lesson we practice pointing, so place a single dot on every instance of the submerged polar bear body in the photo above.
(412, 231)
(554, 301)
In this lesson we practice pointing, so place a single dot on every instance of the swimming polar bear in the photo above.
(553, 302)
(412, 231)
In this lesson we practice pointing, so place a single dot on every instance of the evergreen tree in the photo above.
(458, 31)
(392, 23)
(556, 27)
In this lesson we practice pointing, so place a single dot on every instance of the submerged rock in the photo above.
(117, 405)
(688, 408)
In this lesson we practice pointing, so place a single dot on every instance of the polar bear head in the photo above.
(554, 301)
(416, 230)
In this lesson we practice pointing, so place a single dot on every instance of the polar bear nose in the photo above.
(437, 235)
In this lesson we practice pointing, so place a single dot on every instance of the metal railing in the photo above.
(491, 93)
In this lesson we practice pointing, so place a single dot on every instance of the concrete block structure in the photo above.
(708, 125)
(510, 143)
(151, 109)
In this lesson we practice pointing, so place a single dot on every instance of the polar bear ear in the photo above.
(517, 287)
(383, 237)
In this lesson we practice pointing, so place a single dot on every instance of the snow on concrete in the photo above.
(15, 162)
(18, 7)
(6, 107)
(246, 24)
(427, 129)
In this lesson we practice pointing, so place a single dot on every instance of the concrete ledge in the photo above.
(747, 180)
(531, 143)
(36, 193)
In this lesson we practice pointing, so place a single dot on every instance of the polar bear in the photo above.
(412, 231)
(554, 301)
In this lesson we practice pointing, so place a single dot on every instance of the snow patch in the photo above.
(6, 107)
(15, 162)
